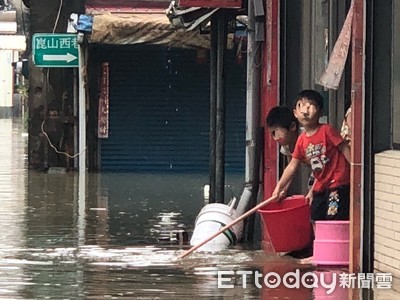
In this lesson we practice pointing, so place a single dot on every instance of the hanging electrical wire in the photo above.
(47, 83)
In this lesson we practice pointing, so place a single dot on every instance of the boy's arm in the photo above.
(286, 187)
(345, 149)
(286, 178)
(309, 196)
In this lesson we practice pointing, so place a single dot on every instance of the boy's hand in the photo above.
(309, 197)
(279, 194)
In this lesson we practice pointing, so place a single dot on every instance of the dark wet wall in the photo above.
(382, 89)
(50, 89)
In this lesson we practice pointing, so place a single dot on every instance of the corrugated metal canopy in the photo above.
(144, 28)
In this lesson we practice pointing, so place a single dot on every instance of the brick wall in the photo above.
(387, 214)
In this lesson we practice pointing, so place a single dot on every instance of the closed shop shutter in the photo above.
(159, 111)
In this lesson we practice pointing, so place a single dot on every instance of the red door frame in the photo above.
(357, 100)
(270, 93)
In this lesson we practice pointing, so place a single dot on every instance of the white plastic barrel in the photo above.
(210, 220)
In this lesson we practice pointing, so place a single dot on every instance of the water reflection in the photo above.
(12, 208)
(282, 291)
(117, 241)
(167, 228)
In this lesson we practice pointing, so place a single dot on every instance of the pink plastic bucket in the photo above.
(332, 230)
(331, 244)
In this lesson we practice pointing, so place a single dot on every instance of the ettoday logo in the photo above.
(328, 281)
(272, 280)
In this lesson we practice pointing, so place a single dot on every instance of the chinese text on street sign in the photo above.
(55, 50)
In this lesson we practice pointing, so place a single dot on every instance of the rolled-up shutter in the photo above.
(159, 111)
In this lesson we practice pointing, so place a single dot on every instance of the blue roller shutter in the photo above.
(159, 111)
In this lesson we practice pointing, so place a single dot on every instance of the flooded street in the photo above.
(120, 241)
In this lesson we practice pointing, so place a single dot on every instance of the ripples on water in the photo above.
(120, 241)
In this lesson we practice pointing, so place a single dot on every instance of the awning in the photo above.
(144, 28)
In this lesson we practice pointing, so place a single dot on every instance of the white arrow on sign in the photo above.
(59, 57)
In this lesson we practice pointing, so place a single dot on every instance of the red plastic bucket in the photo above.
(287, 224)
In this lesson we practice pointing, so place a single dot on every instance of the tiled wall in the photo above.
(387, 214)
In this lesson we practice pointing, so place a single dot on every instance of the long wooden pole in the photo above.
(245, 215)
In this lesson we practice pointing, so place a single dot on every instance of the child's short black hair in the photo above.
(311, 95)
(281, 116)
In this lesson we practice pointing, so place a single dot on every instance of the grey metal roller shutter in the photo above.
(159, 111)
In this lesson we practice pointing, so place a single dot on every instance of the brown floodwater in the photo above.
(115, 236)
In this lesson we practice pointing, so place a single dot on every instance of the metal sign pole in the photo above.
(82, 114)
(82, 147)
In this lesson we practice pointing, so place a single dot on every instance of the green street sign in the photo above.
(55, 50)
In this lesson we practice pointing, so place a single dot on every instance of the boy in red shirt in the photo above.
(329, 156)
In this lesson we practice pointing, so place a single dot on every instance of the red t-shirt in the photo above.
(328, 164)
